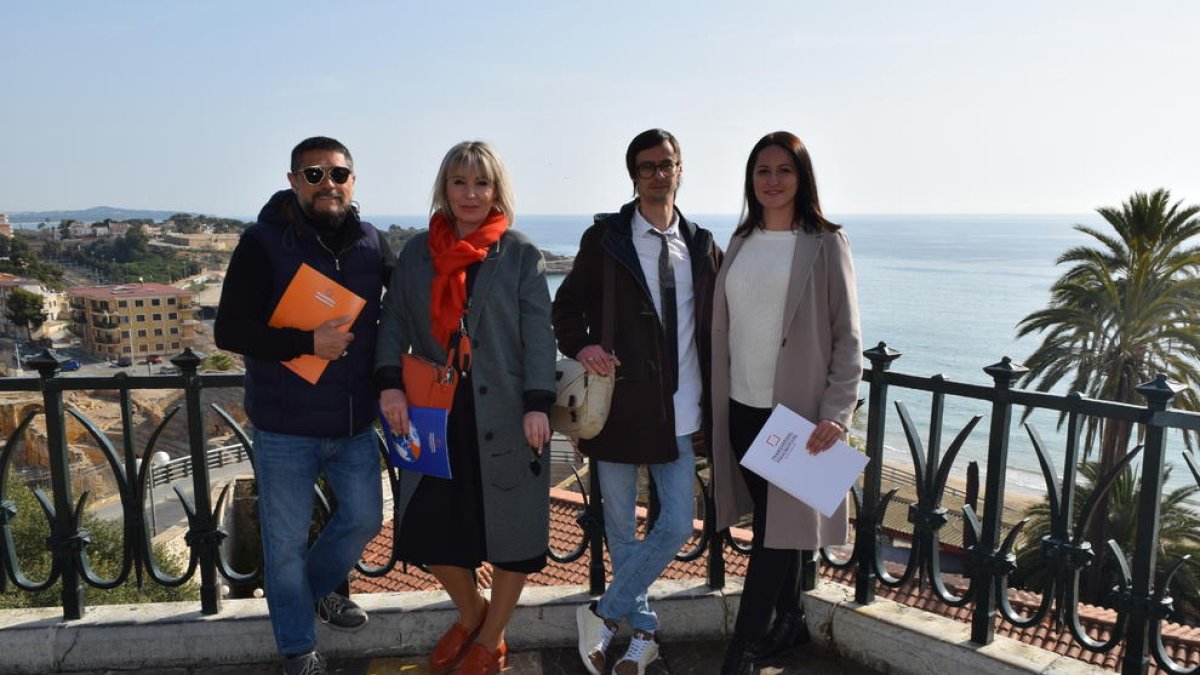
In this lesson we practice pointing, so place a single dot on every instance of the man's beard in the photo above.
(325, 219)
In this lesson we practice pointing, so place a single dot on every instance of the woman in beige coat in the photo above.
(785, 331)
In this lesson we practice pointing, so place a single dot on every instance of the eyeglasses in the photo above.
(648, 169)
(315, 175)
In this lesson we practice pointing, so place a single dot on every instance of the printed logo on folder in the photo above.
(424, 448)
(310, 300)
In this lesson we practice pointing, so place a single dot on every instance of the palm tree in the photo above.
(1178, 535)
(1126, 310)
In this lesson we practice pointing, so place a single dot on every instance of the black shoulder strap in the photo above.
(610, 305)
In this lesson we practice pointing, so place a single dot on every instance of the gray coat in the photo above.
(817, 372)
(513, 352)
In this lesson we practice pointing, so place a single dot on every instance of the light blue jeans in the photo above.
(286, 468)
(637, 563)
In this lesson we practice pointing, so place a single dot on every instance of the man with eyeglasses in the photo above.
(303, 430)
(664, 267)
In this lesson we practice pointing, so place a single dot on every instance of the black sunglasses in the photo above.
(315, 175)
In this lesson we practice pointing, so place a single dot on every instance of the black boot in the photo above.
(739, 659)
(788, 632)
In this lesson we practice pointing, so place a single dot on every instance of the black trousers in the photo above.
(773, 575)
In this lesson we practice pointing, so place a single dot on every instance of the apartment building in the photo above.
(133, 320)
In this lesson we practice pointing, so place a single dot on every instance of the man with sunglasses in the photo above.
(665, 267)
(303, 430)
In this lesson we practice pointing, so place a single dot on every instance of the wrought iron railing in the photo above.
(1139, 597)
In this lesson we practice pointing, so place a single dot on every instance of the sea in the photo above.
(947, 292)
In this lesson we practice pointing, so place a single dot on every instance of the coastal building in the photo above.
(133, 320)
(54, 305)
(5, 226)
(204, 240)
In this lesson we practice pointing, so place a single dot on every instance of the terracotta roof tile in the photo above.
(1182, 642)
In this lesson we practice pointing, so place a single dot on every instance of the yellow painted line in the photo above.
(393, 666)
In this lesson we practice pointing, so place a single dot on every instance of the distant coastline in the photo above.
(558, 264)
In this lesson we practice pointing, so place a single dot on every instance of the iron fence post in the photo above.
(866, 530)
(810, 562)
(203, 533)
(986, 566)
(66, 541)
(593, 527)
(1142, 608)
(136, 543)
(716, 546)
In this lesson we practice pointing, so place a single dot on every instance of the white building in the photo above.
(55, 305)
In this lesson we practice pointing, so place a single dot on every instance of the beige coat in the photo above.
(817, 373)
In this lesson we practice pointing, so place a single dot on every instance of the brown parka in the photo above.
(641, 424)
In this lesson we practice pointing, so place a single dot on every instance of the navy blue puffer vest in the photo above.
(343, 401)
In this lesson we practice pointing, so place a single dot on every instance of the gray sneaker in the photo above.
(311, 663)
(339, 612)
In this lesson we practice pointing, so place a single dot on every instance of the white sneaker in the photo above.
(594, 637)
(643, 650)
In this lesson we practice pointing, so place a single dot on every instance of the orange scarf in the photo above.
(451, 258)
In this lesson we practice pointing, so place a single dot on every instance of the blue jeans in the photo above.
(636, 564)
(286, 468)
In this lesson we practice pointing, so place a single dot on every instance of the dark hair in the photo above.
(644, 141)
(318, 143)
(808, 214)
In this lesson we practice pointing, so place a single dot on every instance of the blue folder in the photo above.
(424, 448)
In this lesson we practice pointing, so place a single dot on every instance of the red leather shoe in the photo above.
(454, 643)
(480, 661)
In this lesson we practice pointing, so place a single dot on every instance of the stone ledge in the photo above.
(885, 635)
(170, 635)
(894, 638)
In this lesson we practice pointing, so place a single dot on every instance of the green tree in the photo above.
(24, 309)
(1127, 309)
(29, 533)
(1179, 534)
(132, 246)
(218, 361)
(1124, 311)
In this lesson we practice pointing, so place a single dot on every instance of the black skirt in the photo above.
(444, 521)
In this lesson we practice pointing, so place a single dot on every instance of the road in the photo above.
(167, 509)
(91, 366)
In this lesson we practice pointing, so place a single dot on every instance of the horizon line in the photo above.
(367, 214)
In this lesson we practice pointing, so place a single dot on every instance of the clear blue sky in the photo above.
(912, 107)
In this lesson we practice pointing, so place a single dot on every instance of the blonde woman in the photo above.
(471, 270)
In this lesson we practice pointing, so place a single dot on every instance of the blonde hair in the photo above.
(474, 156)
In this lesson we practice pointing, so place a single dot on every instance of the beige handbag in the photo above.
(583, 400)
(581, 406)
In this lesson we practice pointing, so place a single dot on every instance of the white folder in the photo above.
(779, 456)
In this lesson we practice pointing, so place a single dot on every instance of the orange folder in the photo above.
(310, 300)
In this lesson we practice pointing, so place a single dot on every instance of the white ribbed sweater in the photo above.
(756, 287)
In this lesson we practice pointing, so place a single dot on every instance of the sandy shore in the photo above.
(1015, 501)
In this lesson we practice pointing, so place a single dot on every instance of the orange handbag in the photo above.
(428, 384)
